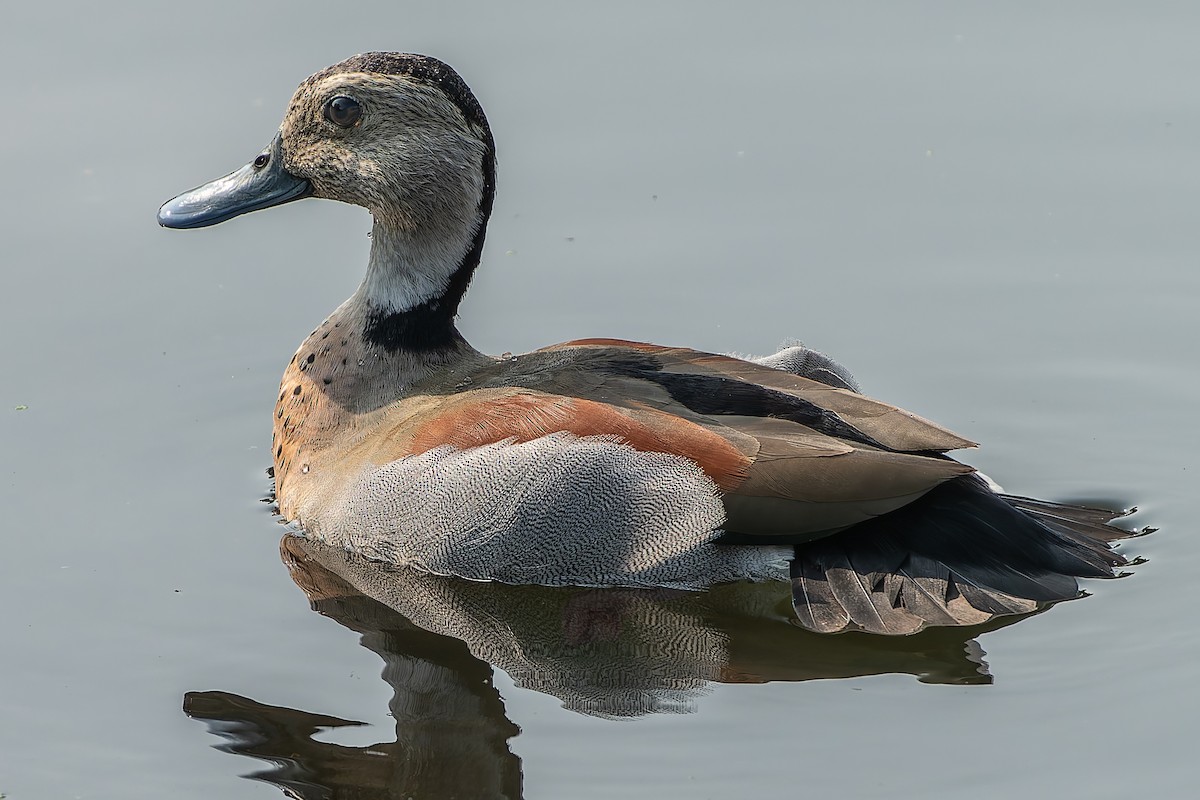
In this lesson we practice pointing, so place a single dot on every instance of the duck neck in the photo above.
(415, 281)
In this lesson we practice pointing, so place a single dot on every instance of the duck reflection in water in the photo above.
(602, 652)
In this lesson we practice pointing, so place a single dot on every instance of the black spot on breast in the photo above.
(279, 451)
(311, 358)
(296, 391)
(326, 381)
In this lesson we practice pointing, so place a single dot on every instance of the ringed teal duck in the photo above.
(600, 461)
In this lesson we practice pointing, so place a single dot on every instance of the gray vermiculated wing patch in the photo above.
(558, 510)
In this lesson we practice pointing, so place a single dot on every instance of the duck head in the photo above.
(399, 134)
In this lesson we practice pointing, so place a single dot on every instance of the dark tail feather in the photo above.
(1090, 523)
(960, 555)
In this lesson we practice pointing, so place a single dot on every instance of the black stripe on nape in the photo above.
(430, 326)
(420, 329)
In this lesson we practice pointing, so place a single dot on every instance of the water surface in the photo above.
(986, 212)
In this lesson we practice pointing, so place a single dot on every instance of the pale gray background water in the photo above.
(987, 210)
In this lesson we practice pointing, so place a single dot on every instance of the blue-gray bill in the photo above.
(260, 184)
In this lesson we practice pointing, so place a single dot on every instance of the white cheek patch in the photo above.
(558, 510)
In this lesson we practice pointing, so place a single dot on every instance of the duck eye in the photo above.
(343, 111)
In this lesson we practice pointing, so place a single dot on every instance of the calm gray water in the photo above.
(986, 210)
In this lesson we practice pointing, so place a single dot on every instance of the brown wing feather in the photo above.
(887, 424)
(779, 479)
(804, 485)
(481, 417)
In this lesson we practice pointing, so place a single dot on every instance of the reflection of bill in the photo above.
(451, 737)
(604, 652)
(430, 760)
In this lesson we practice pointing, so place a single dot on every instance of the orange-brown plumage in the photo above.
(482, 418)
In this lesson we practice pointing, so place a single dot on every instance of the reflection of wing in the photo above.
(623, 652)
(605, 652)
